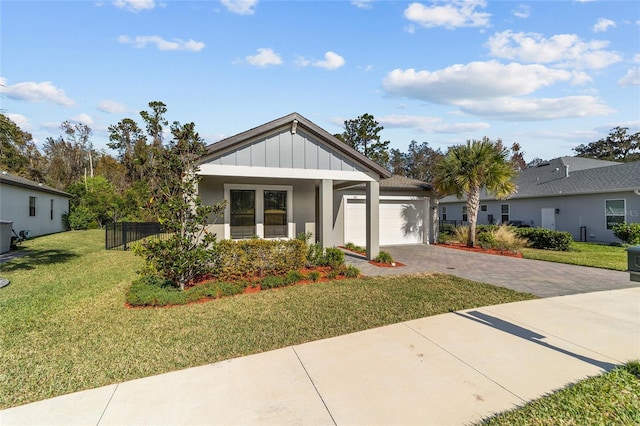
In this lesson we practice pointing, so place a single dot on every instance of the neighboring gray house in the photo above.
(31, 205)
(290, 176)
(582, 196)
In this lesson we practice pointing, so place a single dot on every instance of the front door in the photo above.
(549, 218)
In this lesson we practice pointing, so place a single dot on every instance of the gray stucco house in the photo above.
(582, 196)
(290, 176)
(31, 206)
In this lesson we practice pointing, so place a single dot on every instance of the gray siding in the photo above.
(573, 212)
(287, 150)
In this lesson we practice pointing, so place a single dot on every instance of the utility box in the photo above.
(633, 265)
(5, 235)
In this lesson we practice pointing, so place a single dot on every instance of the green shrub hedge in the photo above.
(157, 291)
(627, 232)
(546, 239)
(248, 258)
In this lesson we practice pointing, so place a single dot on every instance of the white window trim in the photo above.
(259, 207)
(624, 200)
(508, 212)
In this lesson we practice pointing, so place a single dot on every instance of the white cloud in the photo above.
(83, 119)
(477, 80)
(522, 11)
(264, 57)
(454, 14)
(162, 44)
(331, 61)
(362, 4)
(429, 124)
(301, 61)
(21, 121)
(632, 78)
(525, 109)
(111, 107)
(241, 7)
(135, 5)
(31, 91)
(563, 50)
(603, 25)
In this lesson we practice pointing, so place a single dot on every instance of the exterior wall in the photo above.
(286, 150)
(302, 204)
(14, 206)
(571, 212)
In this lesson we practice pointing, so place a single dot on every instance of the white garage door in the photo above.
(400, 222)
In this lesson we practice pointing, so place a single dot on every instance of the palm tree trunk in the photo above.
(473, 203)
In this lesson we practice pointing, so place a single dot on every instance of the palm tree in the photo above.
(468, 169)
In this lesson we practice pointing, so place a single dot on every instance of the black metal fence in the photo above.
(120, 235)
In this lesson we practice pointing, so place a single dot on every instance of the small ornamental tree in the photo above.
(190, 249)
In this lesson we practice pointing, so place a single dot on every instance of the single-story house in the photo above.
(31, 205)
(289, 176)
(582, 196)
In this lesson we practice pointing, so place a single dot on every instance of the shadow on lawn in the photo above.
(30, 259)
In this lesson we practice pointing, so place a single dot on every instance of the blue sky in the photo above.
(548, 74)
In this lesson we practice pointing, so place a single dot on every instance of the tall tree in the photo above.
(131, 144)
(617, 146)
(18, 153)
(363, 135)
(421, 161)
(468, 169)
(155, 123)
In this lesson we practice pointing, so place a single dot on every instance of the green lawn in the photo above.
(610, 399)
(65, 326)
(584, 254)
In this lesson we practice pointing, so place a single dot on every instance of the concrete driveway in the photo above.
(544, 279)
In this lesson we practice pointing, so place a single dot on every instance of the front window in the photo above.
(275, 214)
(614, 212)
(32, 206)
(444, 213)
(504, 210)
(243, 213)
(465, 216)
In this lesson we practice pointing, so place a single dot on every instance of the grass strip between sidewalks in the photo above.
(65, 326)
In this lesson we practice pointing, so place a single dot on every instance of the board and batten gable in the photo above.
(285, 150)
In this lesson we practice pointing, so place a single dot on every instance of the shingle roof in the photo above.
(402, 182)
(328, 138)
(583, 176)
(9, 179)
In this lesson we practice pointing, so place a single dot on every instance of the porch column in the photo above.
(434, 225)
(373, 219)
(326, 213)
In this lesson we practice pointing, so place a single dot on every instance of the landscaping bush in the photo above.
(355, 248)
(383, 257)
(272, 281)
(334, 257)
(314, 276)
(628, 232)
(500, 238)
(256, 257)
(293, 277)
(351, 271)
(80, 218)
(546, 239)
(158, 291)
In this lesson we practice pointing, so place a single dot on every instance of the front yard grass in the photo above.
(609, 399)
(65, 326)
(584, 254)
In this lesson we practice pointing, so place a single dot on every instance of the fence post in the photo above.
(124, 235)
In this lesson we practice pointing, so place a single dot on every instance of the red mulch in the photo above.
(479, 249)
(386, 265)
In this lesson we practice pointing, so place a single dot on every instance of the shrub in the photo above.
(351, 271)
(257, 257)
(627, 232)
(315, 255)
(334, 257)
(80, 218)
(158, 291)
(272, 281)
(314, 276)
(355, 248)
(546, 239)
(293, 277)
(383, 257)
(500, 238)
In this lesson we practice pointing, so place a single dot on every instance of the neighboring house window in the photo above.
(444, 213)
(465, 216)
(614, 211)
(483, 208)
(243, 213)
(275, 214)
(504, 210)
(52, 209)
(32, 206)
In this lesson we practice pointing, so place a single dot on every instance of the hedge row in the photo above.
(546, 239)
(248, 258)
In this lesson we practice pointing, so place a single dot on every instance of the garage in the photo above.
(401, 220)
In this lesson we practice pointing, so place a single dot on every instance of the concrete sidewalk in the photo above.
(455, 368)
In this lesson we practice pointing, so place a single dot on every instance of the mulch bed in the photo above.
(479, 249)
